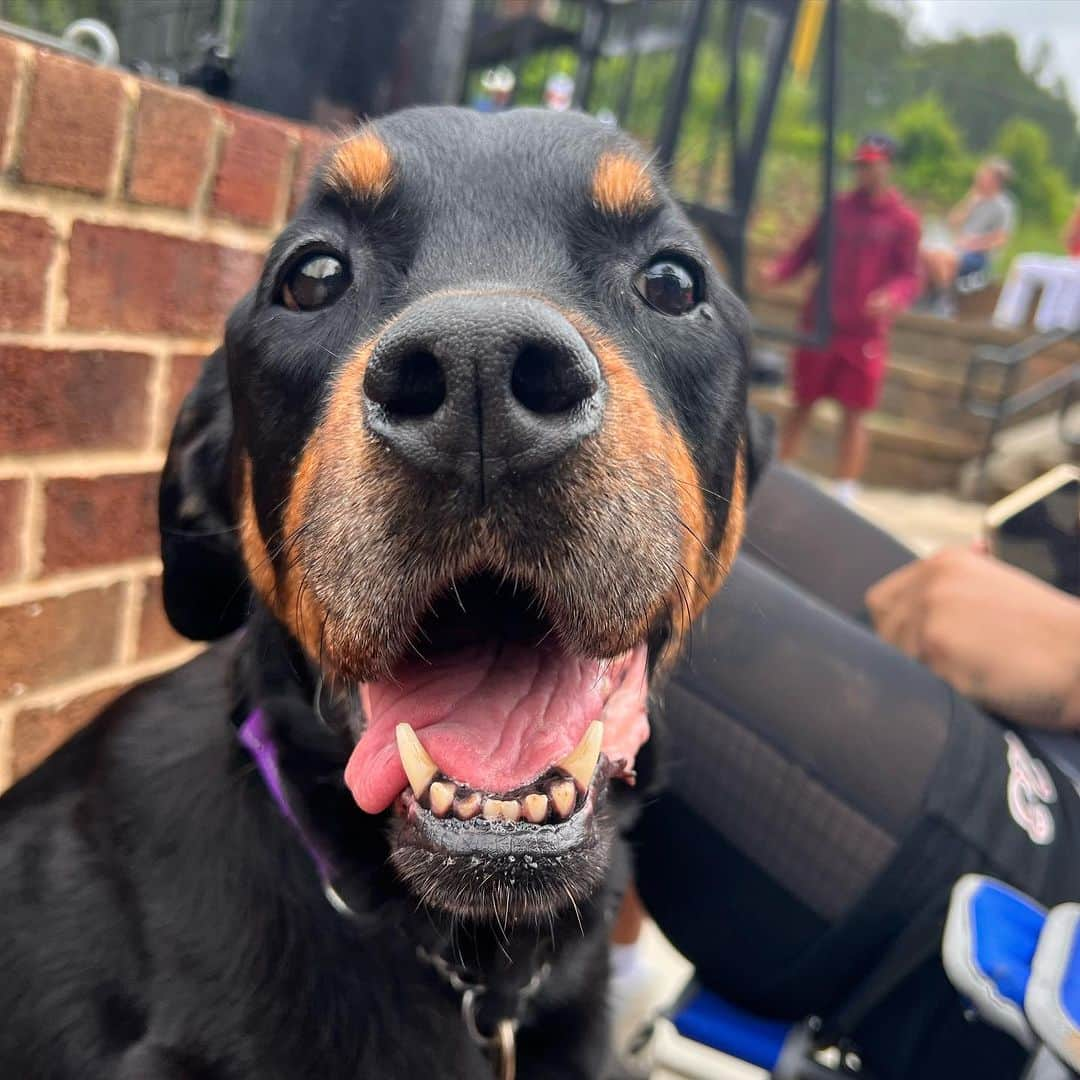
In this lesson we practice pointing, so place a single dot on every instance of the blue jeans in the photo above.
(971, 262)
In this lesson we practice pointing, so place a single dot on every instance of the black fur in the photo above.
(158, 916)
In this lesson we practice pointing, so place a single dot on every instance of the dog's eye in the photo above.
(669, 286)
(314, 282)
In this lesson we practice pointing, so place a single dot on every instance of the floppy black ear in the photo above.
(760, 444)
(205, 583)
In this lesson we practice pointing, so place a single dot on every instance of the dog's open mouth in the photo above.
(495, 736)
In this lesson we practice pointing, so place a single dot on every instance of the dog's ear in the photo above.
(205, 582)
(760, 445)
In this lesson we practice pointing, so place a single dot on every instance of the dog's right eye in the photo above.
(314, 282)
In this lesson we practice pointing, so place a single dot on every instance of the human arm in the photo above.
(987, 242)
(796, 260)
(1000, 636)
(958, 214)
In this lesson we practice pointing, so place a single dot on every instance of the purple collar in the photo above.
(255, 735)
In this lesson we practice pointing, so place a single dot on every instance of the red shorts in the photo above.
(849, 370)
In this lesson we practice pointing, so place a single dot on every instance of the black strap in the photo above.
(918, 942)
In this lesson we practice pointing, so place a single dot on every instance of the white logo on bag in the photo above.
(1029, 791)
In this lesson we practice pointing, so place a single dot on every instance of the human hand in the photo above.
(1000, 636)
(879, 304)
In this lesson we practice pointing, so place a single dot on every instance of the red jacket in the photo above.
(876, 246)
(1072, 235)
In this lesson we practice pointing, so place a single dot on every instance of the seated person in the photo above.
(828, 784)
(1057, 276)
(980, 225)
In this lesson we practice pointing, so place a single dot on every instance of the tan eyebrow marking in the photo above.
(361, 167)
(621, 185)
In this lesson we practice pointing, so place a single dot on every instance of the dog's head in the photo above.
(478, 440)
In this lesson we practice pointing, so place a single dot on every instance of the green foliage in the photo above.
(982, 78)
(944, 102)
(1039, 186)
(933, 161)
(54, 16)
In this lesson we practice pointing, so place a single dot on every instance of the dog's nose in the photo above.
(483, 388)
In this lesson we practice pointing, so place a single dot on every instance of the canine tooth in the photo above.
(419, 767)
(580, 763)
(562, 797)
(468, 806)
(536, 808)
(502, 809)
(441, 795)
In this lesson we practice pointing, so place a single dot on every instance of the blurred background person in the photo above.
(875, 277)
(980, 225)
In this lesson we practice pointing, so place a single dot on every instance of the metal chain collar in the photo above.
(501, 1044)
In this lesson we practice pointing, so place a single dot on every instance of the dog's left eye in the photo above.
(668, 285)
(314, 283)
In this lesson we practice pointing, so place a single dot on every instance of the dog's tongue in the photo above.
(493, 716)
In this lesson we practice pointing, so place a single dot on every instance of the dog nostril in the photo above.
(414, 387)
(549, 380)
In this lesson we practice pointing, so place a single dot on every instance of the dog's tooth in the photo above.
(468, 806)
(441, 794)
(536, 808)
(580, 763)
(419, 767)
(502, 810)
(563, 797)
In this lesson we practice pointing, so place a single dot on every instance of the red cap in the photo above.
(874, 148)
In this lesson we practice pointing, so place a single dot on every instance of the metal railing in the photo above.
(165, 39)
(658, 69)
(1007, 399)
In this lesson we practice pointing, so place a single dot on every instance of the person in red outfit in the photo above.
(875, 276)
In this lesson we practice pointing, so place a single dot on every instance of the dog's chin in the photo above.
(505, 872)
(496, 753)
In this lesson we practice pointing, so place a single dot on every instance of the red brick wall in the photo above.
(132, 216)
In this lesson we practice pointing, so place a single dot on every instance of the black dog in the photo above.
(472, 457)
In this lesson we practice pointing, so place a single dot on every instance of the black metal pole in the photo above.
(668, 136)
(823, 312)
(592, 34)
(626, 95)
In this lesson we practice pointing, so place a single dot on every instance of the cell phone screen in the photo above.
(1044, 538)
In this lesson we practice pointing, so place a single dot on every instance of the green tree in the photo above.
(934, 163)
(1040, 187)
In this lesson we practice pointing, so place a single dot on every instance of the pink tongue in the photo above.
(493, 717)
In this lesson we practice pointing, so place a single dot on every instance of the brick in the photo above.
(313, 144)
(12, 518)
(156, 634)
(58, 637)
(91, 521)
(71, 133)
(9, 73)
(252, 168)
(57, 400)
(142, 282)
(171, 152)
(40, 731)
(27, 246)
(183, 374)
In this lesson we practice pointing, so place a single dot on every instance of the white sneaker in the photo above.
(846, 492)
